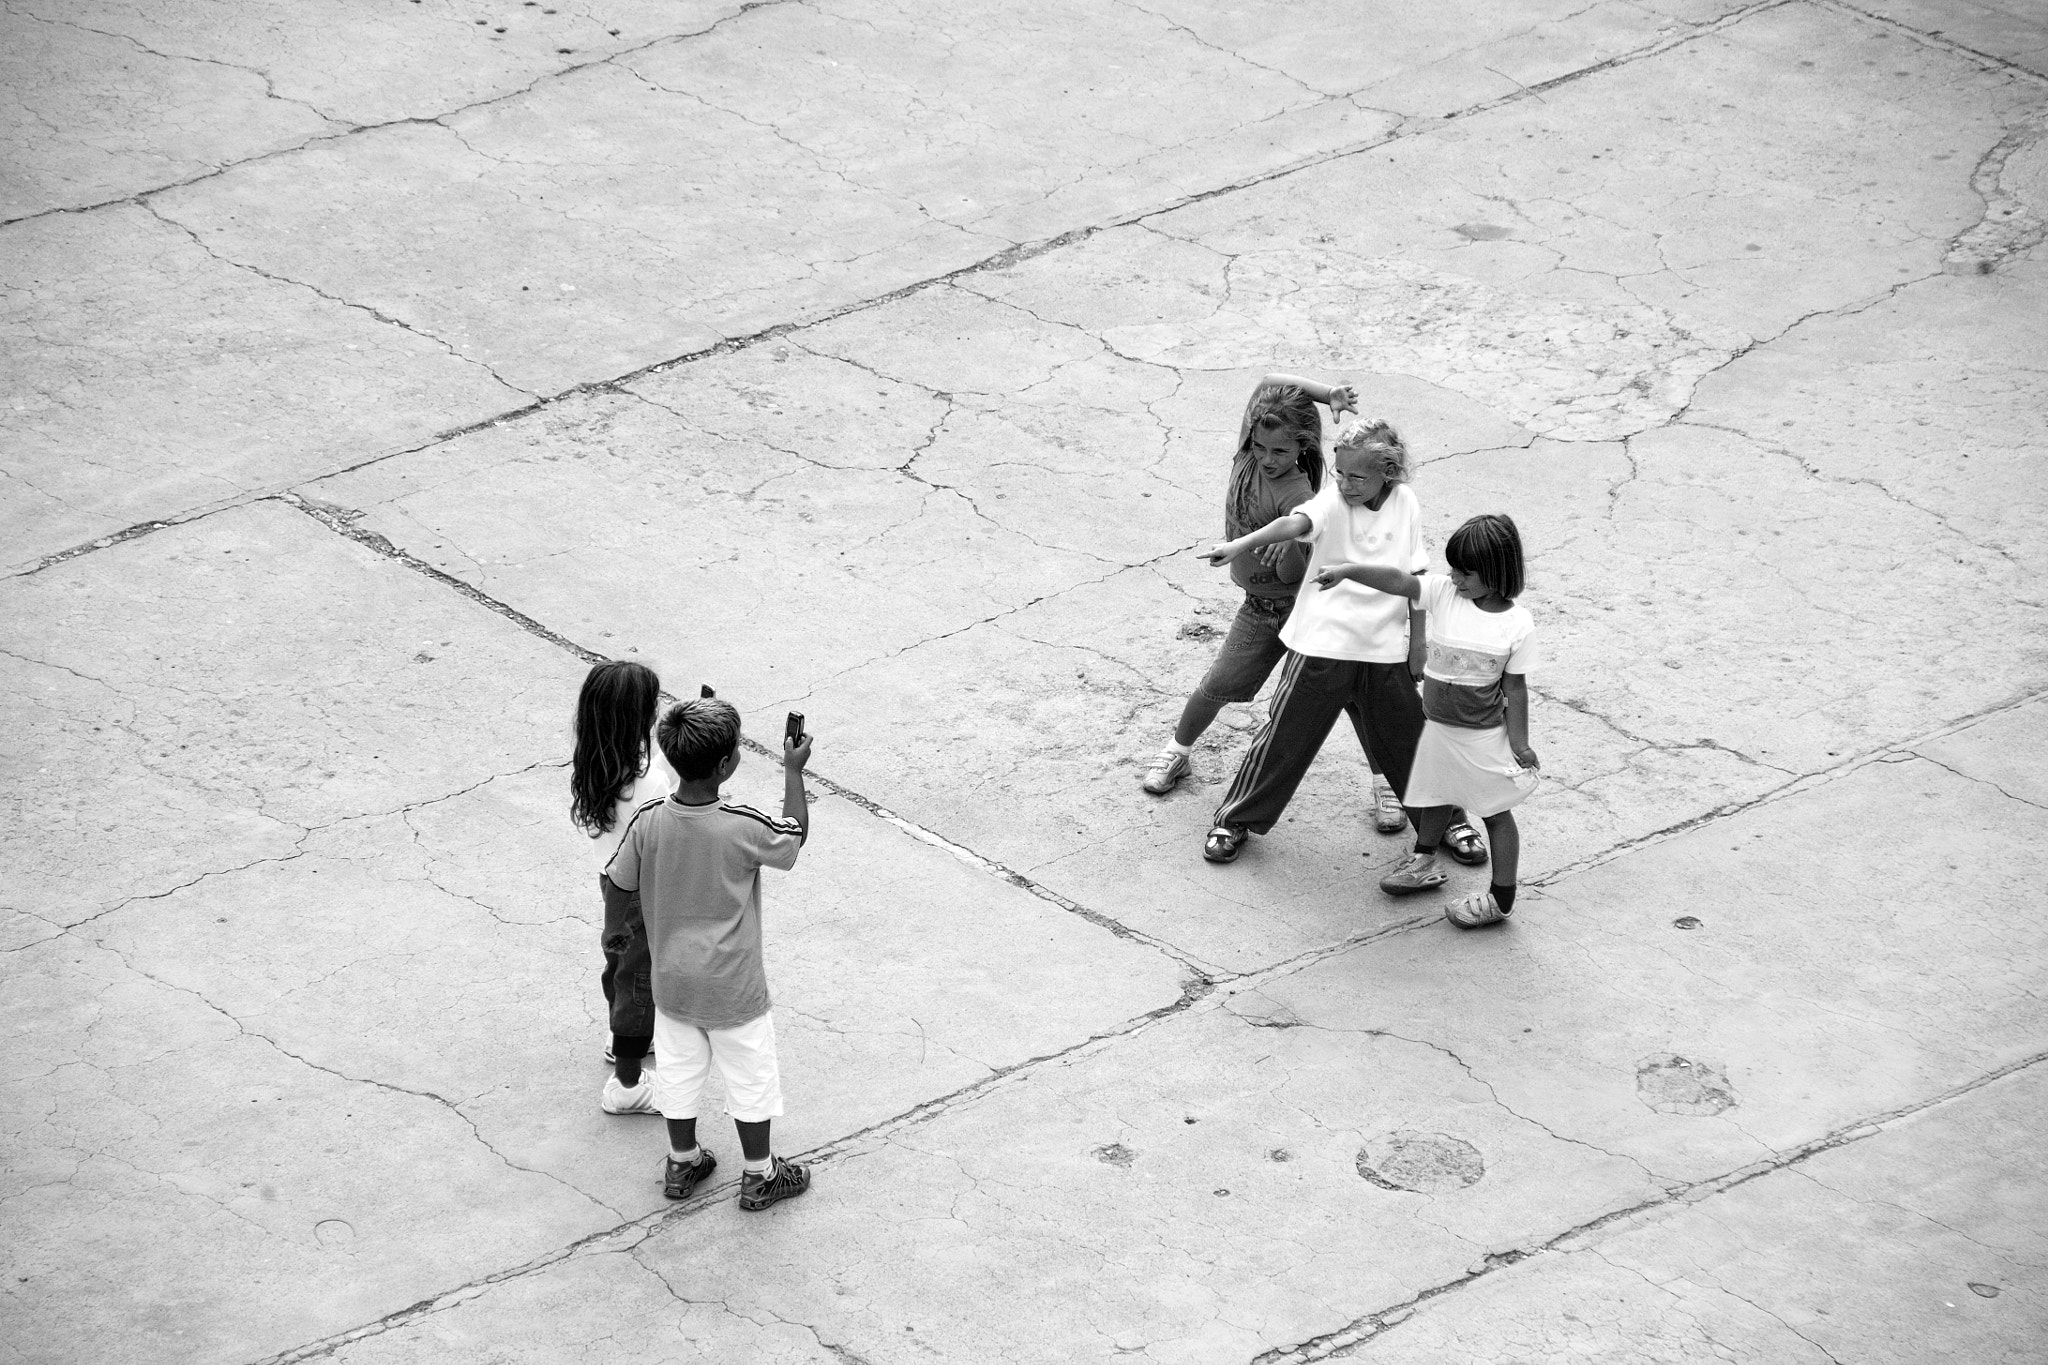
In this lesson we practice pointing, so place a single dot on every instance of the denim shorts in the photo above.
(1249, 652)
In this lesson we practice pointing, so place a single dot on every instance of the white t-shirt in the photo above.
(656, 783)
(1469, 652)
(1352, 621)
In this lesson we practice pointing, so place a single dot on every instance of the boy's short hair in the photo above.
(697, 735)
(1381, 439)
(1490, 546)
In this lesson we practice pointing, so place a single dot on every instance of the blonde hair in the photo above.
(1378, 438)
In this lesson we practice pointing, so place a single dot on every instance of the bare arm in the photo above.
(1516, 689)
(1293, 526)
(1380, 576)
(795, 804)
(1336, 397)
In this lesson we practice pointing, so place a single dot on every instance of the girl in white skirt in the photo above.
(1474, 750)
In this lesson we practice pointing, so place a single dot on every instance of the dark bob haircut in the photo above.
(1490, 546)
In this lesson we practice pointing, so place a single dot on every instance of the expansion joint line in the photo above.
(1016, 254)
(1677, 1197)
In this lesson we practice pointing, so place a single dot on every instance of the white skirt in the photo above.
(1475, 769)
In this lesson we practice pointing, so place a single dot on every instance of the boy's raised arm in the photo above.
(795, 804)
(1293, 526)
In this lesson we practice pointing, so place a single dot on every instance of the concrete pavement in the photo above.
(371, 369)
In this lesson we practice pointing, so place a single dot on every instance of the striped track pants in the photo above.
(1384, 709)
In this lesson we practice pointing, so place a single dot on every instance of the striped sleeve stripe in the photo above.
(779, 826)
(626, 833)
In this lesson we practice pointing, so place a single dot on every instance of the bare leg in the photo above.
(1195, 717)
(1507, 847)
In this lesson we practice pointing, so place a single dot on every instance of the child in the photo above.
(696, 861)
(1278, 466)
(1349, 648)
(616, 770)
(1475, 747)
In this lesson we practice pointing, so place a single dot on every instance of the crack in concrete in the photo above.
(1686, 1195)
(998, 261)
(139, 197)
(318, 292)
(1935, 39)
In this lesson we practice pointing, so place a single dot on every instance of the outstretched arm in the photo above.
(1387, 580)
(795, 805)
(1293, 526)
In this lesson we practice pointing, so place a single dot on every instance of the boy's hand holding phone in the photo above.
(796, 745)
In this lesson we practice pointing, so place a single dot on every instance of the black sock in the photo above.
(1504, 897)
(1429, 851)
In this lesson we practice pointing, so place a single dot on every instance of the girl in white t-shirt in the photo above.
(1474, 749)
(617, 769)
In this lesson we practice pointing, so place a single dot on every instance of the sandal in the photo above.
(1462, 842)
(1387, 815)
(1224, 843)
(1473, 912)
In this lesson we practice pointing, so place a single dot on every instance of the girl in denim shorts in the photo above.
(1278, 466)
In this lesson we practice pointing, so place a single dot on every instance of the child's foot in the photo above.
(1419, 872)
(1470, 912)
(1462, 842)
(1166, 772)
(1224, 843)
(679, 1178)
(1387, 815)
(638, 1099)
(785, 1180)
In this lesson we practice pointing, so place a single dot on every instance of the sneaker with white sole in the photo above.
(1387, 815)
(618, 1099)
(1166, 772)
(1417, 872)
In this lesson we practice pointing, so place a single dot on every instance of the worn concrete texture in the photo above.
(370, 368)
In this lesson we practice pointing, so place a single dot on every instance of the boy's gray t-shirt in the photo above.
(698, 872)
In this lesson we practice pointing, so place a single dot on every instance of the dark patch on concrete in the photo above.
(1115, 1154)
(1686, 922)
(1196, 630)
(1482, 232)
(1671, 1084)
(1420, 1163)
(1984, 1291)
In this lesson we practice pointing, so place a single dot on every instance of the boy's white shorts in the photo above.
(684, 1053)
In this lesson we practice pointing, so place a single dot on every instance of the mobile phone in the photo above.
(793, 731)
(704, 690)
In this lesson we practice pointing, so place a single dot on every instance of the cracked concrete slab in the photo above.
(1938, 1218)
(1592, 257)
(151, 1133)
(1848, 981)
(205, 697)
(200, 87)
(162, 381)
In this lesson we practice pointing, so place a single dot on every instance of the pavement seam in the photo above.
(353, 129)
(1936, 38)
(1695, 1192)
(1000, 260)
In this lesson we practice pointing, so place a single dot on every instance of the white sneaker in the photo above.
(617, 1099)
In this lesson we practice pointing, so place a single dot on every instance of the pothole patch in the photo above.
(1671, 1084)
(1115, 1154)
(1420, 1163)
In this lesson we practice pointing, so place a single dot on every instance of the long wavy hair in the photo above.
(614, 713)
(1282, 409)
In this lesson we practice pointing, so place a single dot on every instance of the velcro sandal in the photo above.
(1473, 912)
(1462, 842)
(1387, 815)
